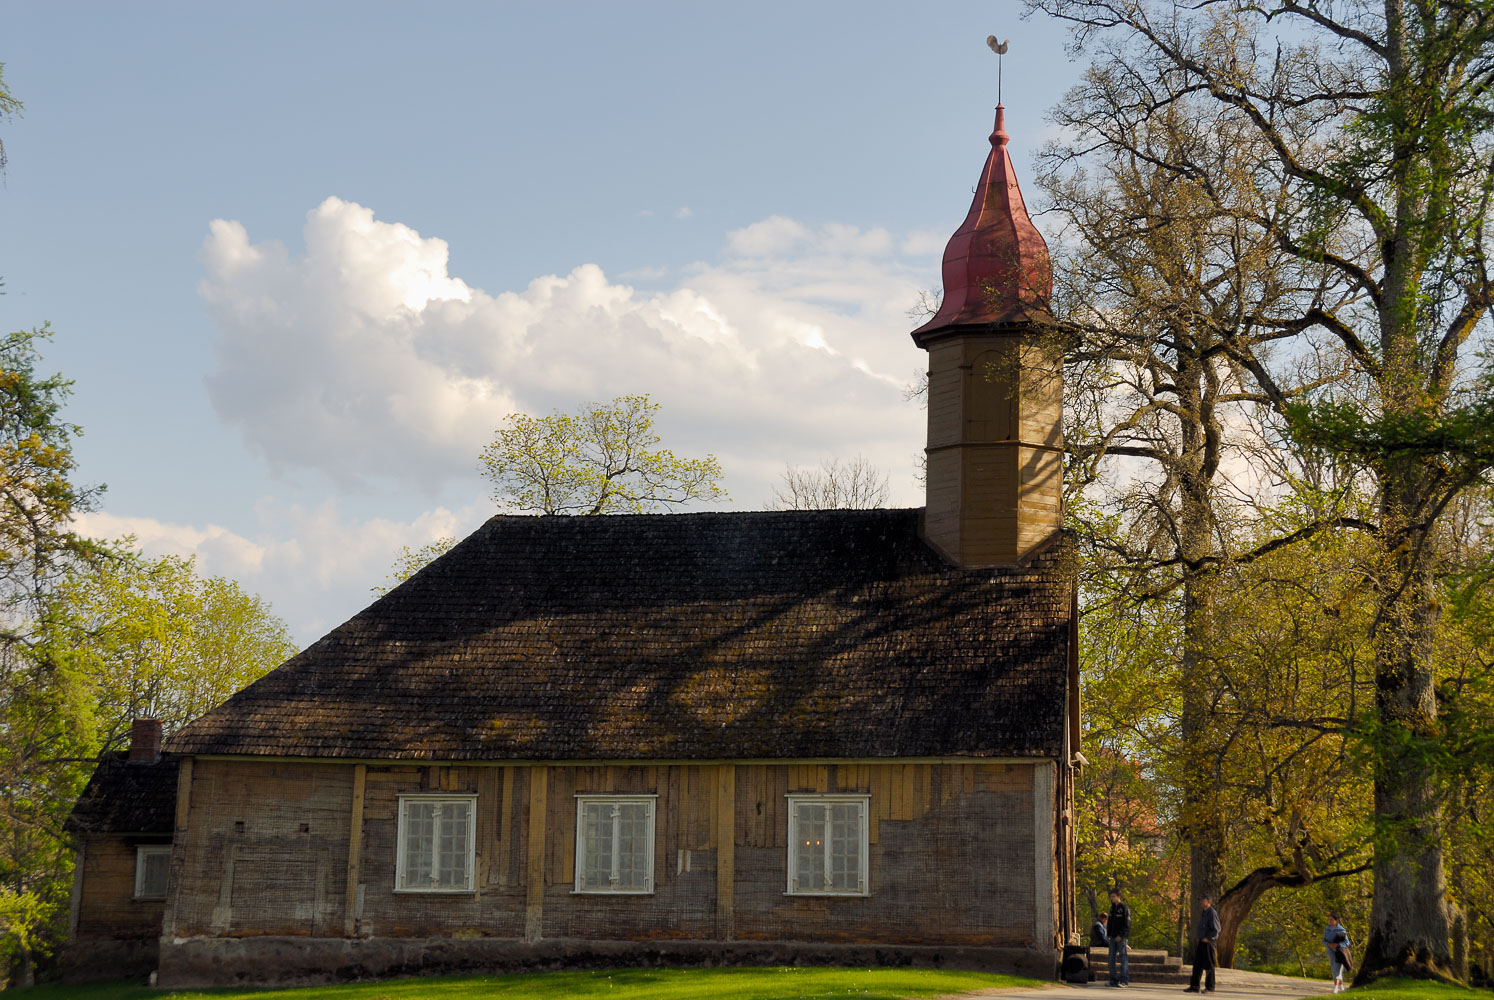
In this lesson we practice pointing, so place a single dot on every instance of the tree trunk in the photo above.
(1409, 920)
(1203, 818)
(1234, 907)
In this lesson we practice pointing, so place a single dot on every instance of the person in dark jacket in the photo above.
(1208, 929)
(1099, 935)
(1119, 930)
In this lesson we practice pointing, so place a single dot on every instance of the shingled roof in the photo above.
(678, 636)
(125, 796)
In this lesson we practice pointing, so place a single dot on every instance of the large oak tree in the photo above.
(1376, 117)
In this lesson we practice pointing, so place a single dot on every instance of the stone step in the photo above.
(1152, 966)
(1157, 961)
(1137, 954)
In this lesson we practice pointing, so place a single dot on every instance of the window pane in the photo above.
(419, 846)
(451, 856)
(809, 846)
(845, 846)
(596, 829)
(155, 865)
(632, 855)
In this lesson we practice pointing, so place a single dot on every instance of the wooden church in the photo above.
(841, 736)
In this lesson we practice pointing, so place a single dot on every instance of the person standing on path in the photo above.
(1203, 953)
(1119, 930)
(1336, 940)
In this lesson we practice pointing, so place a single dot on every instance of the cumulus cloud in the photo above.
(365, 359)
(315, 565)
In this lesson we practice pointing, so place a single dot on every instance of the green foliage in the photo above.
(411, 561)
(1458, 438)
(47, 718)
(91, 636)
(614, 984)
(603, 459)
(158, 641)
(37, 495)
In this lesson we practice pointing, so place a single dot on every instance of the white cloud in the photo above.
(367, 360)
(315, 565)
(684, 212)
(924, 242)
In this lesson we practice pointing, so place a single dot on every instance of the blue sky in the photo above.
(301, 258)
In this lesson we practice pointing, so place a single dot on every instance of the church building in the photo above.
(838, 736)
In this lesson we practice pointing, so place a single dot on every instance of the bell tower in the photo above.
(995, 403)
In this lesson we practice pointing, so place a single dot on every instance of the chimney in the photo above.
(995, 434)
(145, 741)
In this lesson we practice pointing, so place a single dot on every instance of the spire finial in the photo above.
(1000, 49)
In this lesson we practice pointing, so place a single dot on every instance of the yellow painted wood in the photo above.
(534, 894)
(355, 852)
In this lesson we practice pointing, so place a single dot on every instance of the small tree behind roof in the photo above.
(855, 484)
(602, 459)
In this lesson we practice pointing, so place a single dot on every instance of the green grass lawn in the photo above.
(616, 984)
(1416, 989)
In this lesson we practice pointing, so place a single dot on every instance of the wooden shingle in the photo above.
(701, 636)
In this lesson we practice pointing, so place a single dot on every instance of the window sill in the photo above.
(612, 892)
(438, 892)
(846, 894)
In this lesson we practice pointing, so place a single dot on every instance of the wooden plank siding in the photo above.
(274, 848)
(106, 904)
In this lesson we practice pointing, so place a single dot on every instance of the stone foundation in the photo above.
(100, 958)
(214, 961)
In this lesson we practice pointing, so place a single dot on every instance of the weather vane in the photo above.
(1000, 49)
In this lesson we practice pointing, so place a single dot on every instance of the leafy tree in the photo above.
(37, 495)
(156, 640)
(411, 561)
(8, 106)
(1375, 117)
(604, 459)
(47, 722)
(1165, 272)
(852, 485)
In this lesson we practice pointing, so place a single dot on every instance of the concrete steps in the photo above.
(1146, 966)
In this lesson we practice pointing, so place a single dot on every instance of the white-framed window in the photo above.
(152, 866)
(827, 845)
(615, 843)
(436, 841)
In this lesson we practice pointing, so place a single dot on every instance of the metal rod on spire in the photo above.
(1000, 49)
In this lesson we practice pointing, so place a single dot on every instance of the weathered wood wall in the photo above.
(106, 906)
(264, 850)
(267, 848)
(112, 934)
